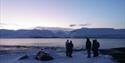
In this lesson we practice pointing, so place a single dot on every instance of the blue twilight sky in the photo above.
(17, 14)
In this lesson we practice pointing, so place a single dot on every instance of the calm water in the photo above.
(105, 43)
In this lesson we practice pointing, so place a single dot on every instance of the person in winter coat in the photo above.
(67, 48)
(95, 48)
(88, 47)
(70, 48)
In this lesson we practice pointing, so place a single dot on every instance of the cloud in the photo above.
(72, 25)
(5, 24)
(78, 25)
(84, 24)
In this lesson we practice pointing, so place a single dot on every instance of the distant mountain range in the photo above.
(53, 32)
(52, 28)
(98, 33)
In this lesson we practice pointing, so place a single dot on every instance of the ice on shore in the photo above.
(78, 57)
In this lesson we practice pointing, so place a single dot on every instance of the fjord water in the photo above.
(60, 42)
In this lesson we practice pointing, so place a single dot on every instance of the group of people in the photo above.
(89, 47)
(69, 48)
(92, 47)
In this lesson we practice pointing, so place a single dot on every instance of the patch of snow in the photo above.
(59, 57)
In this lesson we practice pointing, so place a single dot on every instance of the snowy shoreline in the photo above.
(79, 56)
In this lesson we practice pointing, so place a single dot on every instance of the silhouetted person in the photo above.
(95, 48)
(88, 47)
(70, 48)
(67, 48)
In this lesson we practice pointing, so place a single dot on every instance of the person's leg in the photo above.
(94, 53)
(89, 53)
(66, 53)
(97, 53)
(71, 54)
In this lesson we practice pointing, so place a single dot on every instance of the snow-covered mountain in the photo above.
(52, 28)
(63, 33)
(98, 33)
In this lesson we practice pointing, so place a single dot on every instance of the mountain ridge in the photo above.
(60, 33)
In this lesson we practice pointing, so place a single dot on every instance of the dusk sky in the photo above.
(18, 14)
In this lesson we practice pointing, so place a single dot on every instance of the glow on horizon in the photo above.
(22, 14)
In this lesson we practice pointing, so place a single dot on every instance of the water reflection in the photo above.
(79, 43)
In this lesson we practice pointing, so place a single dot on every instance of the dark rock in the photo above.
(44, 56)
(23, 57)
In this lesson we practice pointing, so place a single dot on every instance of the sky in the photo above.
(21, 14)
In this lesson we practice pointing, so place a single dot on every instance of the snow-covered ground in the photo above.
(59, 57)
